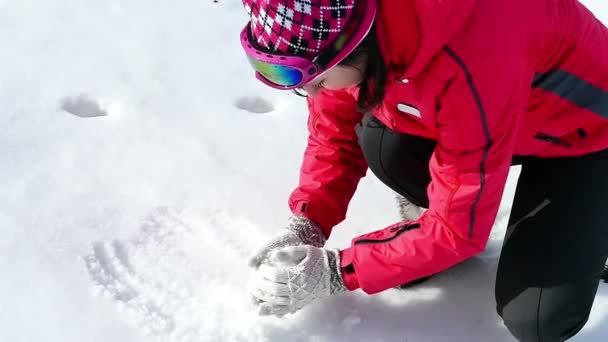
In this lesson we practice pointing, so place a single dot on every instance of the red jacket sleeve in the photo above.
(478, 117)
(333, 161)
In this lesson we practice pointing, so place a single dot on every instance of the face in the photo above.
(337, 78)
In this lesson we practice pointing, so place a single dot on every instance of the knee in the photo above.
(535, 321)
(543, 329)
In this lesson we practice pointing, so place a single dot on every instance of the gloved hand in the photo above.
(409, 211)
(299, 231)
(294, 277)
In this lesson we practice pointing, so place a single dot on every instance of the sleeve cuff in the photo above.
(313, 212)
(347, 269)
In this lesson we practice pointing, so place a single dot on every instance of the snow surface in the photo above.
(140, 163)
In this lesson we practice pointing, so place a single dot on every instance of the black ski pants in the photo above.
(557, 240)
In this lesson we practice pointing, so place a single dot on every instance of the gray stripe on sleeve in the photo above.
(574, 89)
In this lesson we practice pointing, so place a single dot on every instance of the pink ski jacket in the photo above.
(488, 80)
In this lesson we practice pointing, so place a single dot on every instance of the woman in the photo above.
(439, 98)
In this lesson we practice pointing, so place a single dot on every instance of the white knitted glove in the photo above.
(294, 277)
(408, 211)
(299, 231)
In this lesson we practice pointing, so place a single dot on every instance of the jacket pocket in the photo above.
(552, 139)
(397, 230)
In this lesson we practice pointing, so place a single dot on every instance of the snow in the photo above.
(140, 163)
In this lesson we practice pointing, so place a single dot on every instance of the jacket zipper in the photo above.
(398, 231)
(552, 139)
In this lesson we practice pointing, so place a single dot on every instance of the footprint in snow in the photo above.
(83, 106)
(254, 104)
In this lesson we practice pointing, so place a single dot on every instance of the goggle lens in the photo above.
(281, 75)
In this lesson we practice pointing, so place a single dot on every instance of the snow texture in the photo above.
(141, 163)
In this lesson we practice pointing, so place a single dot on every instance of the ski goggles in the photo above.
(285, 72)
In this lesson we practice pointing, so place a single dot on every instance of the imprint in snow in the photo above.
(181, 275)
(255, 105)
(83, 106)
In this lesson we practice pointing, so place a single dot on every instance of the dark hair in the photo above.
(371, 90)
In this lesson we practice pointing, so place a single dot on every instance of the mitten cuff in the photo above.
(307, 231)
(336, 282)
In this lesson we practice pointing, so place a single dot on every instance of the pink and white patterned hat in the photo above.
(298, 27)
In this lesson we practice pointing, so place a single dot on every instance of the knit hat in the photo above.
(298, 27)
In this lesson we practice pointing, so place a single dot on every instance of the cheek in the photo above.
(346, 78)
